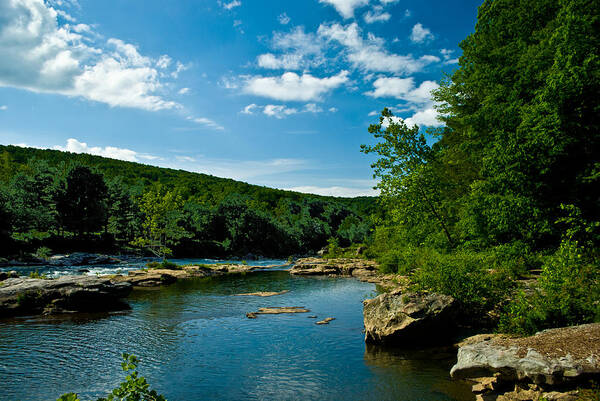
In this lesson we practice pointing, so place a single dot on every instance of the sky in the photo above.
(270, 92)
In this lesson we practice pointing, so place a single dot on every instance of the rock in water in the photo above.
(29, 296)
(409, 319)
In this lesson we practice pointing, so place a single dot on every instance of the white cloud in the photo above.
(41, 55)
(281, 111)
(291, 86)
(183, 91)
(249, 109)
(333, 109)
(404, 89)
(4, 107)
(278, 111)
(230, 5)
(312, 108)
(376, 15)
(75, 146)
(373, 113)
(163, 61)
(447, 54)
(301, 50)
(369, 54)
(346, 7)
(345, 192)
(285, 61)
(427, 118)
(417, 99)
(283, 19)
(420, 34)
(207, 122)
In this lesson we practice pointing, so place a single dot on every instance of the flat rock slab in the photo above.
(325, 321)
(29, 296)
(549, 357)
(263, 293)
(276, 311)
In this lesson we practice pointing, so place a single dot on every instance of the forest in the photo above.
(52, 201)
(509, 188)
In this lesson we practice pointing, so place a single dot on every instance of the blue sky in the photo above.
(275, 93)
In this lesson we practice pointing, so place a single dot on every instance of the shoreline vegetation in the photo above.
(488, 224)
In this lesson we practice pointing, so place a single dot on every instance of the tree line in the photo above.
(511, 184)
(66, 205)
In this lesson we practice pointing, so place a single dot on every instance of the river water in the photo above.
(195, 343)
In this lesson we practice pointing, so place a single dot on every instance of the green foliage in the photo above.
(134, 388)
(161, 225)
(126, 203)
(568, 294)
(165, 264)
(82, 202)
(464, 275)
(36, 274)
(43, 252)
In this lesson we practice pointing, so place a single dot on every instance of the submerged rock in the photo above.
(263, 293)
(532, 366)
(277, 310)
(28, 296)
(409, 319)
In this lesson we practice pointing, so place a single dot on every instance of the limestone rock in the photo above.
(550, 357)
(409, 319)
(28, 296)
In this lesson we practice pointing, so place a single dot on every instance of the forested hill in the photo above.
(53, 201)
(195, 186)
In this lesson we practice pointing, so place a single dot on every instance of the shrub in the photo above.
(568, 294)
(134, 388)
(466, 276)
(165, 264)
(43, 253)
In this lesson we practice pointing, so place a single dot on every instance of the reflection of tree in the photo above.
(415, 371)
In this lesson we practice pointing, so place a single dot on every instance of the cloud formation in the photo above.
(369, 54)
(41, 55)
(346, 7)
(420, 34)
(293, 87)
(75, 146)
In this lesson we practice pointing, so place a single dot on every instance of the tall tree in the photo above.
(82, 203)
(404, 167)
(162, 227)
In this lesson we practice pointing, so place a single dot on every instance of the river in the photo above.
(195, 343)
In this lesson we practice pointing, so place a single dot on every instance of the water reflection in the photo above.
(195, 342)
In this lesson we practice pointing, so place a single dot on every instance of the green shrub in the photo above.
(36, 274)
(466, 276)
(134, 388)
(568, 294)
(43, 253)
(165, 264)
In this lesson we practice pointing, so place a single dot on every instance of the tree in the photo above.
(31, 193)
(161, 227)
(82, 203)
(123, 214)
(405, 168)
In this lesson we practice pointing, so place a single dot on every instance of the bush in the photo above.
(165, 264)
(134, 388)
(466, 276)
(568, 294)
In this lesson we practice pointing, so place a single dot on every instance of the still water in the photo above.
(195, 343)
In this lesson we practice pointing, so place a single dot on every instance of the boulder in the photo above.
(7, 275)
(29, 296)
(409, 319)
(81, 258)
